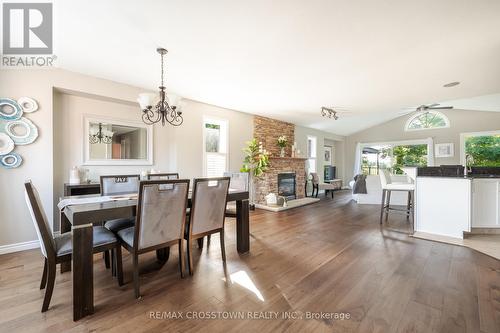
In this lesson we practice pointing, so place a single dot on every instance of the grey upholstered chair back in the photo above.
(112, 185)
(239, 180)
(163, 176)
(47, 243)
(385, 177)
(315, 178)
(161, 212)
(209, 204)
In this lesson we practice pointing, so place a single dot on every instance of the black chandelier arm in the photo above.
(150, 117)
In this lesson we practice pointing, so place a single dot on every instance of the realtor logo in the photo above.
(27, 28)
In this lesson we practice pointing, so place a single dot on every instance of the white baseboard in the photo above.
(4, 249)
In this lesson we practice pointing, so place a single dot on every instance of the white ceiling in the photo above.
(287, 58)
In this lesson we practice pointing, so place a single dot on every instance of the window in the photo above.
(393, 156)
(311, 153)
(215, 147)
(483, 147)
(427, 120)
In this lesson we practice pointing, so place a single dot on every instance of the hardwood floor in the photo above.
(330, 257)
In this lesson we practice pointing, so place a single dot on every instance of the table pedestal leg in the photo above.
(83, 275)
(242, 226)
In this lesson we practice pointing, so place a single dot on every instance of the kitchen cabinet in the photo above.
(486, 203)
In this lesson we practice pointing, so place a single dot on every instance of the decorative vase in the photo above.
(282, 152)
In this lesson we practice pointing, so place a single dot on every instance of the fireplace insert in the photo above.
(286, 185)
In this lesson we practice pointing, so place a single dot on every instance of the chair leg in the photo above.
(382, 207)
(408, 206)
(200, 242)
(331, 191)
(412, 213)
(181, 257)
(113, 266)
(388, 205)
(105, 255)
(317, 191)
(119, 264)
(136, 275)
(208, 240)
(43, 283)
(222, 245)
(51, 279)
(190, 256)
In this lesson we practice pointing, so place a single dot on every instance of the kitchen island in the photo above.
(449, 205)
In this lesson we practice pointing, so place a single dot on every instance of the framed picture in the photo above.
(328, 155)
(443, 150)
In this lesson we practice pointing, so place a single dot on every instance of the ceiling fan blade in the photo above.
(440, 107)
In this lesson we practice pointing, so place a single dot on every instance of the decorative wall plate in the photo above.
(24, 136)
(28, 104)
(10, 109)
(10, 161)
(6, 144)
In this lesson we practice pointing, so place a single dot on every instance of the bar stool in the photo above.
(387, 187)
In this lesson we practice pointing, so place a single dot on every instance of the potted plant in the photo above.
(282, 142)
(256, 162)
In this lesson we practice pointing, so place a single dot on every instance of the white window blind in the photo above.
(215, 147)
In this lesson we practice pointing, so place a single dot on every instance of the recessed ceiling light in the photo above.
(451, 84)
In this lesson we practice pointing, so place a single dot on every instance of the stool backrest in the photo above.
(385, 177)
(161, 212)
(112, 185)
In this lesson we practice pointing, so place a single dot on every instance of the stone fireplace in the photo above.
(291, 169)
(287, 185)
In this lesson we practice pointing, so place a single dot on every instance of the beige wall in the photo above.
(301, 134)
(460, 121)
(59, 146)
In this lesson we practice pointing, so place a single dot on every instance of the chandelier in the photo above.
(99, 135)
(329, 113)
(161, 111)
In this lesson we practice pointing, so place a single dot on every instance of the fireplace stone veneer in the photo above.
(268, 183)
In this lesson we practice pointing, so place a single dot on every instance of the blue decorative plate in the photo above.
(10, 109)
(26, 135)
(11, 160)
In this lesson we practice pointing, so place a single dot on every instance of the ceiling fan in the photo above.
(426, 108)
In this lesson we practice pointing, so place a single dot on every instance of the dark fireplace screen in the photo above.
(286, 185)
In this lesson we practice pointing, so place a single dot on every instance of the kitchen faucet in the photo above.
(469, 160)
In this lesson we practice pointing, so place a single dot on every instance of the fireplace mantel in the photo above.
(287, 158)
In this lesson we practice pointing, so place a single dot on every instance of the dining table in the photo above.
(80, 218)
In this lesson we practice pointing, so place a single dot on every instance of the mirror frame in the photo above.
(87, 119)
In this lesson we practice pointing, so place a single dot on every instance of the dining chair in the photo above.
(58, 249)
(163, 176)
(160, 221)
(116, 185)
(239, 182)
(208, 206)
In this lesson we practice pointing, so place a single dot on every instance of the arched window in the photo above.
(427, 120)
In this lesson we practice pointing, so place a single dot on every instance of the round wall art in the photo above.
(15, 129)
(11, 160)
(6, 144)
(27, 104)
(10, 109)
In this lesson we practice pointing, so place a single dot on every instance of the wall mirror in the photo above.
(109, 141)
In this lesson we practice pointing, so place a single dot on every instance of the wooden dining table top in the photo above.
(94, 212)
